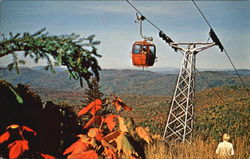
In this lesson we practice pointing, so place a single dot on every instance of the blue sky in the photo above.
(113, 24)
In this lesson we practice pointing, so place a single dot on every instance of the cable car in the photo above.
(143, 54)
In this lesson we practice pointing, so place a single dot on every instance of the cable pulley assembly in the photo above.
(215, 39)
(166, 38)
(139, 18)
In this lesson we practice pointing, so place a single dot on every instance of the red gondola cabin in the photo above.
(143, 54)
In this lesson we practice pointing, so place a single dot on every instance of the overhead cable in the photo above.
(167, 39)
(217, 42)
(207, 82)
(248, 92)
(202, 14)
(143, 15)
(211, 87)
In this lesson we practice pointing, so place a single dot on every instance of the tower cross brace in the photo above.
(180, 118)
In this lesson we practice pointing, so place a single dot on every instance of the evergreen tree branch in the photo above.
(78, 54)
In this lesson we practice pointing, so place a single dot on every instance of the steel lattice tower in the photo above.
(180, 119)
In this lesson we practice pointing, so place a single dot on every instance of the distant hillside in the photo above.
(40, 78)
(213, 116)
(121, 81)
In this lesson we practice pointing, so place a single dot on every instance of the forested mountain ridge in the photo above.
(122, 81)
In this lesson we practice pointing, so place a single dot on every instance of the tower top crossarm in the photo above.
(193, 47)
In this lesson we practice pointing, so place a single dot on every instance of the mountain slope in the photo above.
(213, 115)
(122, 81)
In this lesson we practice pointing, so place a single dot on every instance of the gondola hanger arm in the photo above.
(140, 19)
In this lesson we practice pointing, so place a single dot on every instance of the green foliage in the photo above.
(90, 94)
(93, 92)
(78, 54)
(18, 97)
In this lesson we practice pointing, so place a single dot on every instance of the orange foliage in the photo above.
(144, 134)
(4, 137)
(112, 136)
(127, 107)
(77, 147)
(95, 132)
(110, 121)
(110, 153)
(26, 128)
(93, 107)
(46, 156)
(91, 154)
(17, 148)
(95, 119)
(81, 148)
(29, 129)
(118, 103)
(114, 144)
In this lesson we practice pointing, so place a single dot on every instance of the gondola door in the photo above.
(139, 55)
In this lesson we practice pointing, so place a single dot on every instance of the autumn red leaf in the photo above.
(4, 137)
(144, 134)
(46, 156)
(96, 108)
(95, 119)
(93, 107)
(112, 136)
(85, 109)
(110, 121)
(95, 132)
(91, 154)
(17, 148)
(110, 153)
(126, 107)
(77, 147)
(29, 129)
(118, 103)
(14, 126)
